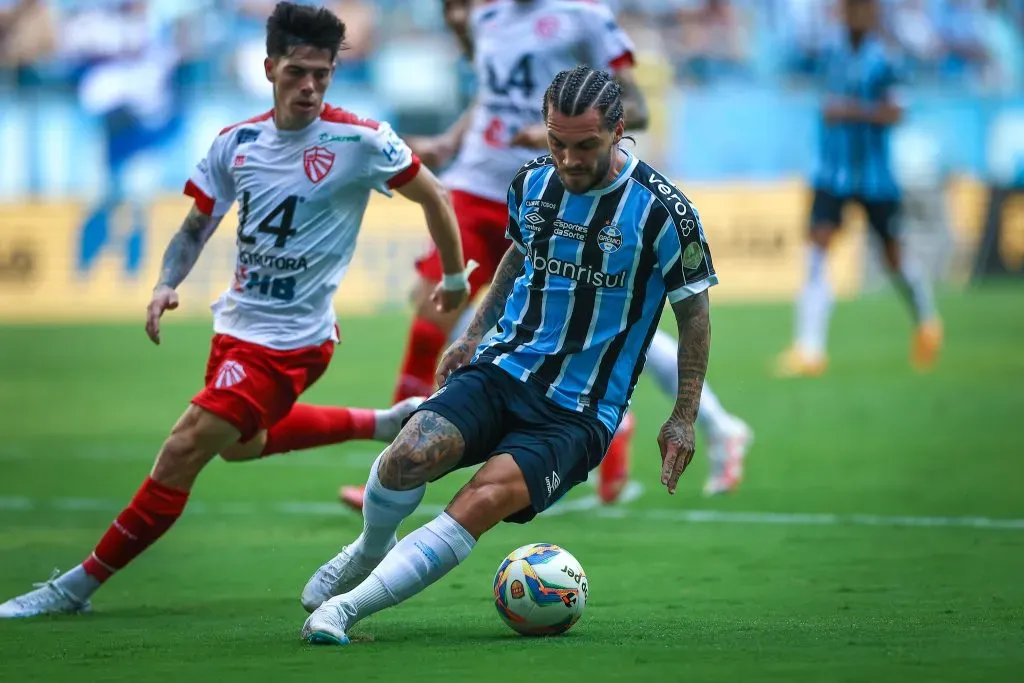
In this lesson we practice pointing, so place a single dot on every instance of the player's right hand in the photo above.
(164, 299)
(447, 300)
(457, 355)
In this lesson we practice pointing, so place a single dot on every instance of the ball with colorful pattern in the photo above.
(540, 590)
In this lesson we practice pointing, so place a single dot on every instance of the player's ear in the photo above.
(268, 67)
(620, 130)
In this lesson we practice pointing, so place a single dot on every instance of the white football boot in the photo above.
(727, 451)
(338, 575)
(327, 625)
(47, 598)
(389, 422)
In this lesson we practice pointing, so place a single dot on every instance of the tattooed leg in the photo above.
(427, 447)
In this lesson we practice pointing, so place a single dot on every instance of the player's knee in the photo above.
(427, 447)
(485, 501)
(181, 458)
(196, 438)
(489, 498)
(241, 451)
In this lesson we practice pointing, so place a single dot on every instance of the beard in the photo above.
(600, 174)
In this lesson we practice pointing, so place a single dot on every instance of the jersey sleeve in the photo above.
(390, 162)
(684, 256)
(211, 184)
(513, 231)
(607, 43)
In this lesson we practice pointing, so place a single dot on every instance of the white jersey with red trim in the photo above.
(301, 198)
(519, 49)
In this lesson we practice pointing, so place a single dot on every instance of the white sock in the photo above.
(78, 583)
(383, 512)
(917, 288)
(419, 559)
(814, 305)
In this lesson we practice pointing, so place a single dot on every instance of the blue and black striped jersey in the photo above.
(598, 268)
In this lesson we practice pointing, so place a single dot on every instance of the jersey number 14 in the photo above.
(520, 78)
(278, 222)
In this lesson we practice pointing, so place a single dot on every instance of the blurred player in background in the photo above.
(854, 165)
(302, 174)
(515, 46)
(536, 405)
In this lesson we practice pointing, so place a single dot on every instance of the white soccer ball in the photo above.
(540, 590)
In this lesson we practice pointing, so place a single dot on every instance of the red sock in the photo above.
(426, 341)
(151, 513)
(309, 426)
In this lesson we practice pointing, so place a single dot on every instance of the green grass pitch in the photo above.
(878, 536)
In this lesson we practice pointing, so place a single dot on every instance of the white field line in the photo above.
(587, 505)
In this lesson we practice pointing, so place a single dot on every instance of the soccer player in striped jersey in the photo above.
(481, 212)
(599, 241)
(860, 109)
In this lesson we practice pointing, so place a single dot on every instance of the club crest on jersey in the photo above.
(546, 27)
(317, 161)
(610, 238)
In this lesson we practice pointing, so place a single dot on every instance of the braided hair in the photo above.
(576, 90)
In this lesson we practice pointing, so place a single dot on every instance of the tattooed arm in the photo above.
(489, 312)
(676, 439)
(186, 245)
(693, 320)
(634, 105)
(181, 254)
(487, 315)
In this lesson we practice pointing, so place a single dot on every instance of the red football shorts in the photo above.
(252, 386)
(482, 225)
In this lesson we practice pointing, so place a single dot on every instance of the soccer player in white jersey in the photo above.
(484, 161)
(301, 174)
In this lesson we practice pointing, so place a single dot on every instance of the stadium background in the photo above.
(108, 104)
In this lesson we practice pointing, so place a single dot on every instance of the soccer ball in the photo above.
(540, 589)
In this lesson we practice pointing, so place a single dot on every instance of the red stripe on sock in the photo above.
(426, 341)
(307, 426)
(153, 511)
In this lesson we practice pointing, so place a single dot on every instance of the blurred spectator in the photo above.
(1001, 39)
(713, 41)
(126, 59)
(959, 26)
(913, 29)
(26, 32)
(806, 27)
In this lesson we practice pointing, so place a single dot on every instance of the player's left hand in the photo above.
(446, 300)
(677, 447)
(532, 137)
